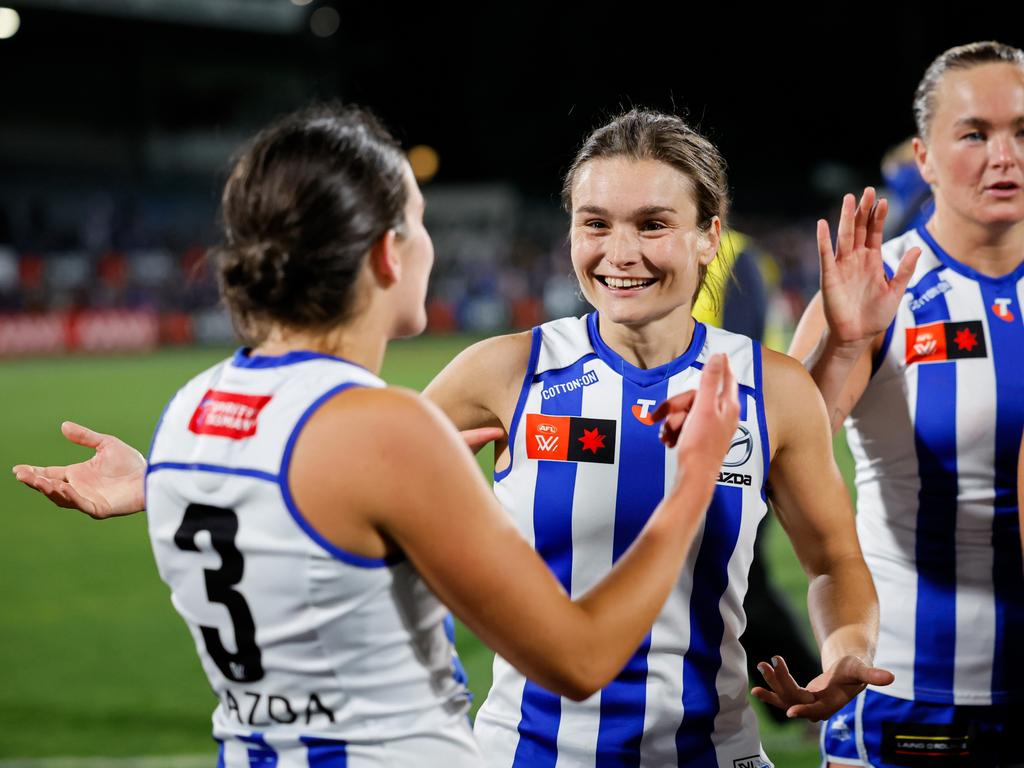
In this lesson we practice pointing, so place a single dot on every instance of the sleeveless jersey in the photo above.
(318, 657)
(935, 439)
(586, 472)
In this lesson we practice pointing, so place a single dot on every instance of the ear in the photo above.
(923, 159)
(384, 261)
(709, 241)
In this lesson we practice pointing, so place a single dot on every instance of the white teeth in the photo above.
(626, 282)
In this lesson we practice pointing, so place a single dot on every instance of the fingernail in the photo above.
(775, 662)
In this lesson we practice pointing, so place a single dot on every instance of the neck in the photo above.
(992, 250)
(357, 341)
(651, 344)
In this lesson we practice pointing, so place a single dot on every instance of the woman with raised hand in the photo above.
(917, 345)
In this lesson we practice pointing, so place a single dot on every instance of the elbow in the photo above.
(578, 677)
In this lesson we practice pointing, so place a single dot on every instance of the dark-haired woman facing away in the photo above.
(313, 524)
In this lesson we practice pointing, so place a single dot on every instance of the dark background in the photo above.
(792, 98)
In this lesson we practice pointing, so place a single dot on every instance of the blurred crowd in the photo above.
(502, 263)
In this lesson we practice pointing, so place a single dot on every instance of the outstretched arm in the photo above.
(814, 508)
(423, 493)
(856, 304)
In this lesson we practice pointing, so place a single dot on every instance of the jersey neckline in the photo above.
(243, 358)
(645, 376)
(957, 266)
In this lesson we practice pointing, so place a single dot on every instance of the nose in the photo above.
(1003, 151)
(623, 249)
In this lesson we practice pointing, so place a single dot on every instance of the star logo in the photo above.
(592, 440)
(965, 340)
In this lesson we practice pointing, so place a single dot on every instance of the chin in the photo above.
(408, 328)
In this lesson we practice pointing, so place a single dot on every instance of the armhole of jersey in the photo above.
(286, 492)
(762, 424)
(879, 358)
(152, 444)
(531, 368)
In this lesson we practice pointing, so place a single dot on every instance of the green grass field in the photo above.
(97, 661)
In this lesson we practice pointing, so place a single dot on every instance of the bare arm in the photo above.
(418, 488)
(814, 508)
(846, 321)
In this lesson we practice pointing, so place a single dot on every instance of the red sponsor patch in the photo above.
(227, 414)
(947, 340)
(547, 437)
(926, 343)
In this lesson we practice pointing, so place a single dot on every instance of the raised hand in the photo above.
(824, 695)
(859, 300)
(109, 484)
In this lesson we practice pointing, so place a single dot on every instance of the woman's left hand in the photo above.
(824, 695)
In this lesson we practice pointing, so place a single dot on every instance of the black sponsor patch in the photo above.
(592, 440)
(912, 744)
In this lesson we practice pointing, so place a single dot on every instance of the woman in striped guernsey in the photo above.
(917, 344)
(580, 469)
(294, 500)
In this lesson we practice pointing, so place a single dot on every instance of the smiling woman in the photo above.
(647, 195)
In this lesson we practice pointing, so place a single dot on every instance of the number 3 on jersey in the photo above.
(246, 664)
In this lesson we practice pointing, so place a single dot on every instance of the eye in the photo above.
(595, 224)
(653, 225)
(973, 136)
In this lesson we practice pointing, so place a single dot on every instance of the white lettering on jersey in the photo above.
(546, 443)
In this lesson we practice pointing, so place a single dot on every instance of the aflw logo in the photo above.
(925, 344)
(547, 438)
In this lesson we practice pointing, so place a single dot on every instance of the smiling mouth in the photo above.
(626, 283)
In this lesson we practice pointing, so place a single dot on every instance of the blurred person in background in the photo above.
(917, 343)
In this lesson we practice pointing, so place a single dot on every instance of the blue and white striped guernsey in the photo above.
(319, 658)
(587, 470)
(935, 437)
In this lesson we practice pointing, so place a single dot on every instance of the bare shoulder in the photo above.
(502, 356)
(480, 386)
(375, 415)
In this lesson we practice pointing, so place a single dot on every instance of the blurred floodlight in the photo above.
(424, 161)
(301, 2)
(9, 23)
(324, 22)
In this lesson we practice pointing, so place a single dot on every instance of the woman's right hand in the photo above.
(110, 484)
(859, 300)
(702, 422)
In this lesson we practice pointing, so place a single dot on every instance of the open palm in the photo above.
(824, 695)
(859, 299)
(109, 484)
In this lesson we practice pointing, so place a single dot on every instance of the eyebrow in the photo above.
(979, 122)
(647, 210)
